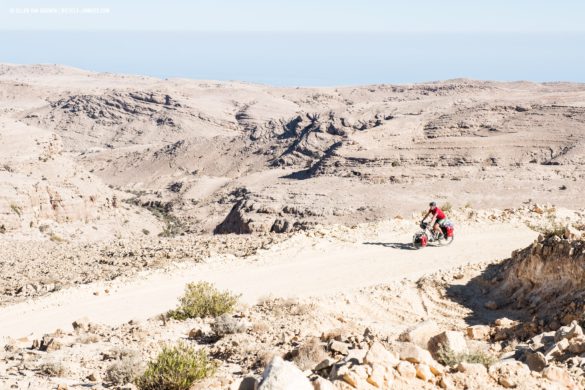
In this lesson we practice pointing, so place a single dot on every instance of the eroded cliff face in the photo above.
(546, 279)
(43, 191)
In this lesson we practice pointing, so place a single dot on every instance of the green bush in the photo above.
(203, 300)
(176, 368)
(451, 359)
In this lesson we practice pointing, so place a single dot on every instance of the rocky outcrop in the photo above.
(259, 215)
(546, 279)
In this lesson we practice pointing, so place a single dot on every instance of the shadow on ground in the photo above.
(482, 289)
(395, 245)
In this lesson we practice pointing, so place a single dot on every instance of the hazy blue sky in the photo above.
(302, 42)
(298, 15)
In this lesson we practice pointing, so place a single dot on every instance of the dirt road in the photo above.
(301, 266)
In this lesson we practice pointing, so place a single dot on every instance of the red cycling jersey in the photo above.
(439, 213)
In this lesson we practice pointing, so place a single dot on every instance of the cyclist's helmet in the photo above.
(433, 204)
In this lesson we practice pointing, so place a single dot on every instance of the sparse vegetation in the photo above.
(226, 324)
(203, 300)
(126, 370)
(550, 228)
(176, 368)
(146, 232)
(309, 354)
(53, 369)
(450, 358)
(162, 211)
(447, 207)
(289, 306)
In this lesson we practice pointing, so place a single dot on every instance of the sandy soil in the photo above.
(299, 267)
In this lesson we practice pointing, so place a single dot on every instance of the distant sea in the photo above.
(301, 59)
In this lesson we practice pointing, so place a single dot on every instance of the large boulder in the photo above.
(281, 375)
(509, 374)
(451, 341)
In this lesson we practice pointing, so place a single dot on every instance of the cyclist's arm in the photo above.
(425, 217)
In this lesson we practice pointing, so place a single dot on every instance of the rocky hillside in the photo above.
(236, 157)
(523, 330)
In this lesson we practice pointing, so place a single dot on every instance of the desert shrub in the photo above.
(450, 358)
(126, 370)
(146, 232)
(309, 354)
(226, 324)
(447, 207)
(551, 227)
(260, 327)
(285, 307)
(53, 368)
(176, 368)
(17, 210)
(480, 357)
(203, 300)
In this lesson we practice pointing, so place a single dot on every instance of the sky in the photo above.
(302, 42)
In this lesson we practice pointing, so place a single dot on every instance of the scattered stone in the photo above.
(421, 333)
(473, 369)
(415, 354)
(559, 375)
(328, 362)
(322, 384)
(378, 377)
(479, 332)
(446, 383)
(81, 325)
(339, 347)
(195, 333)
(509, 373)
(505, 322)
(536, 361)
(406, 370)
(377, 354)
(49, 344)
(491, 305)
(424, 372)
(356, 356)
(571, 233)
(557, 350)
(569, 331)
(577, 345)
(249, 383)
